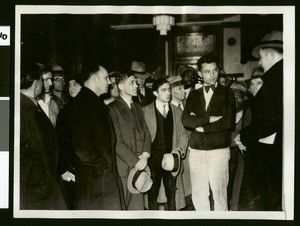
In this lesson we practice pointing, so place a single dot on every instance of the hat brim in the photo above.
(141, 75)
(132, 172)
(175, 173)
(256, 49)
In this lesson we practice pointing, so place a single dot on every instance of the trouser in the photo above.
(209, 171)
(97, 193)
(157, 173)
(261, 188)
(132, 201)
(236, 170)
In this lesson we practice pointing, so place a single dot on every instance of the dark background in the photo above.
(6, 215)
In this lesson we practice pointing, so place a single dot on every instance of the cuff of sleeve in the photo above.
(146, 154)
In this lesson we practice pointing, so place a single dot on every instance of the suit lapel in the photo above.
(138, 116)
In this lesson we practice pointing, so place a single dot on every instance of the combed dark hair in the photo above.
(158, 83)
(208, 59)
(31, 72)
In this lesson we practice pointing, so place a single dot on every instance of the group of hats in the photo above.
(139, 181)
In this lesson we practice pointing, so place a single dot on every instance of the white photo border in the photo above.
(289, 111)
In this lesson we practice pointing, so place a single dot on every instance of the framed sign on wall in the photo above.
(193, 45)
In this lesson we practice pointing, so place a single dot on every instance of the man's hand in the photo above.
(67, 176)
(142, 163)
(214, 118)
(182, 153)
(242, 147)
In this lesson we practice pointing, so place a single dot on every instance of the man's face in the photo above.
(209, 73)
(74, 88)
(102, 80)
(255, 85)
(58, 83)
(140, 82)
(47, 81)
(39, 87)
(163, 93)
(178, 92)
(239, 99)
(265, 59)
(114, 91)
(129, 86)
(222, 81)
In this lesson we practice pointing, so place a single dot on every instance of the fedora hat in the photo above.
(171, 162)
(139, 69)
(238, 88)
(175, 81)
(58, 71)
(139, 181)
(273, 39)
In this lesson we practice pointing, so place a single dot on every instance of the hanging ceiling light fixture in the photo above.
(163, 23)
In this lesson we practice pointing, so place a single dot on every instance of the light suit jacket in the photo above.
(180, 139)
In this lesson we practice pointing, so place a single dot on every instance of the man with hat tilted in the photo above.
(237, 150)
(263, 137)
(177, 91)
(133, 142)
(58, 90)
(144, 95)
(178, 99)
(167, 135)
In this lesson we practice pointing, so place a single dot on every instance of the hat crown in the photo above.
(175, 80)
(273, 36)
(238, 87)
(138, 67)
(139, 181)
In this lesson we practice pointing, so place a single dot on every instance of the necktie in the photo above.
(165, 111)
(140, 95)
(131, 108)
(206, 88)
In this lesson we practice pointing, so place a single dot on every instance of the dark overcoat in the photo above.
(87, 140)
(39, 181)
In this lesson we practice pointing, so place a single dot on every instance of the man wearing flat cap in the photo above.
(236, 162)
(264, 190)
(132, 135)
(144, 94)
(177, 91)
(59, 81)
(178, 99)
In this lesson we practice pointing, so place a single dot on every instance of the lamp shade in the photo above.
(163, 23)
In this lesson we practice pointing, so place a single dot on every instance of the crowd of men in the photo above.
(193, 141)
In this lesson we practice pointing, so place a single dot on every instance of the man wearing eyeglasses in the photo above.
(59, 81)
(210, 115)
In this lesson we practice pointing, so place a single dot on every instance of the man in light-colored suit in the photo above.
(167, 133)
(133, 137)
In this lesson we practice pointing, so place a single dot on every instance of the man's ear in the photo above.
(199, 73)
(121, 86)
(155, 93)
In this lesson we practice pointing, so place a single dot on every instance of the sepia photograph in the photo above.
(154, 112)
